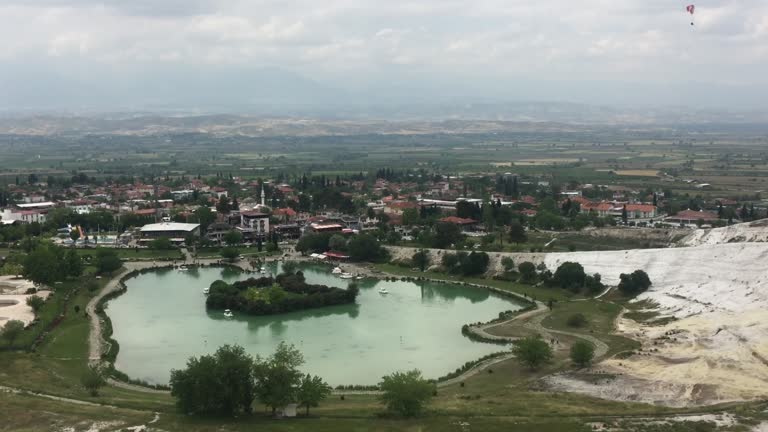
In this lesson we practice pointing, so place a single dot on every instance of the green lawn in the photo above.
(601, 318)
(124, 253)
(537, 293)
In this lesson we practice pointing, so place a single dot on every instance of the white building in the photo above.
(175, 231)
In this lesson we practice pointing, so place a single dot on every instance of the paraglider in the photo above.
(690, 9)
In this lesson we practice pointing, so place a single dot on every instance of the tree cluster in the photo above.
(230, 381)
(466, 264)
(48, 263)
(634, 283)
(269, 296)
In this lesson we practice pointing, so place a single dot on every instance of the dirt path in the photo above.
(482, 329)
(601, 348)
(52, 397)
(95, 341)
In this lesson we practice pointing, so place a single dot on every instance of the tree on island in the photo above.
(406, 393)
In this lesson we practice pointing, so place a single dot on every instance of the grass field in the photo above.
(503, 398)
(534, 292)
(601, 317)
(125, 253)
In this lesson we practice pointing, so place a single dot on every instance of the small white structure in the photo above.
(288, 411)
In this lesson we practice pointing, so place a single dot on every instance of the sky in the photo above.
(143, 53)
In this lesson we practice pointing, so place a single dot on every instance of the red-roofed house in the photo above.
(641, 211)
(691, 216)
(286, 214)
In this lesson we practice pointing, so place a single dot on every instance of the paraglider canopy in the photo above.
(690, 9)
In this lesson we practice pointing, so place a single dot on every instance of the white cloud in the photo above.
(633, 40)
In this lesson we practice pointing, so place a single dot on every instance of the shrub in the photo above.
(582, 353)
(92, 381)
(532, 351)
(527, 272)
(576, 320)
(406, 393)
(36, 303)
(634, 283)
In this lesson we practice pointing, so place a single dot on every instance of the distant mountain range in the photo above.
(478, 118)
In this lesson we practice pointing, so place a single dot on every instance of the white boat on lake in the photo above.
(228, 313)
(383, 291)
(183, 268)
(206, 291)
(337, 271)
(347, 276)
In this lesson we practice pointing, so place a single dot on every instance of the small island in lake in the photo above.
(269, 296)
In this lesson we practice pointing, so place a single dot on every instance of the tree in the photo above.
(532, 351)
(74, 264)
(570, 275)
(92, 381)
(36, 303)
(230, 253)
(10, 269)
(74, 235)
(527, 272)
(474, 264)
(222, 383)
(365, 247)
(517, 233)
(421, 259)
(44, 264)
(576, 320)
(204, 217)
(313, 243)
(161, 243)
(582, 353)
(290, 267)
(277, 377)
(634, 283)
(232, 238)
(508, 264)
(312, 390)
(223, 205)
(406, 393)
(107, 260)
(11, 331)
(337, 242)
(624, 215)
(446, 234)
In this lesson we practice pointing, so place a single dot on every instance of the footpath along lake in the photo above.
(161, 320)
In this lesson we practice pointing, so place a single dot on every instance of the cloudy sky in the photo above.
(133, 52)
